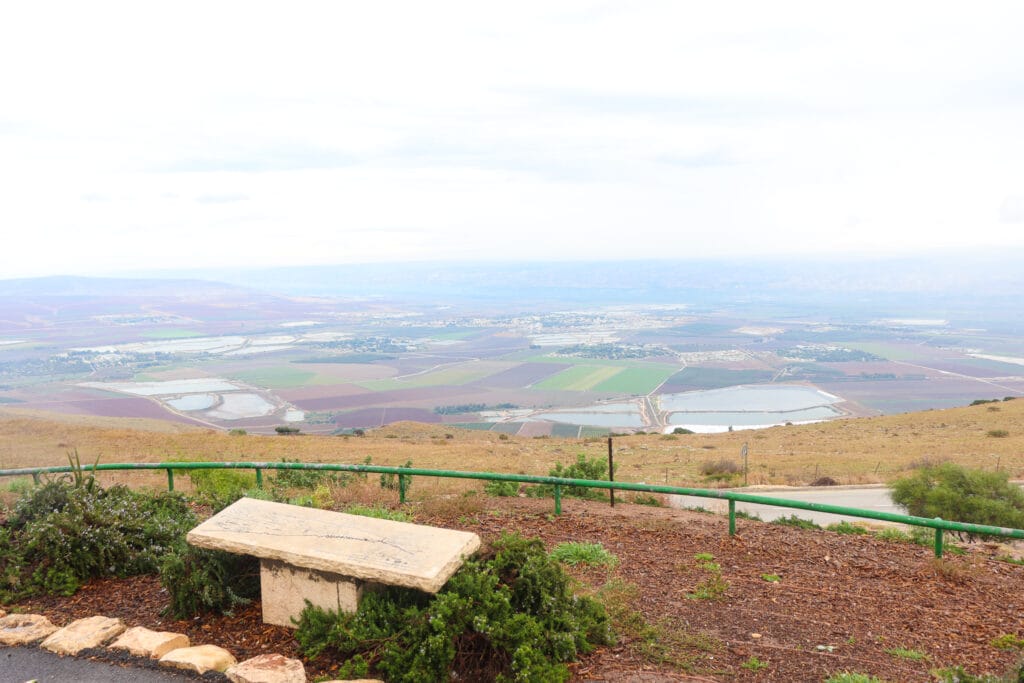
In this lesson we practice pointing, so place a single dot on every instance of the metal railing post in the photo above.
(401, 488)
(170, 479)
(732, 517)
(259, 478)
(558, 499)
(938, 539)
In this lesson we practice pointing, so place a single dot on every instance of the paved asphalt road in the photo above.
(863, 497)
(21, 664)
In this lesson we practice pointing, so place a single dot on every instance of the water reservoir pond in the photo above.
(774, 398)
(748, 406)
(594, 419)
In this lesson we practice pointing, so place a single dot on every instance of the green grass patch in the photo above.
(848, 528)
(579, 378)
(1008, 641)
(796, 522)
(378, 512)
(771, 578)
(575, 553)
(853, 677)
(907, 653)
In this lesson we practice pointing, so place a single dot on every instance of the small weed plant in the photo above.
(665, 642)
(853, 677)
(1008, 641)
(754, 664)
(714, 586)
(848, 528)
(893, 535)
(907, 653)
(771, 578)
(511, 616)
(589, 554)
(796, 522)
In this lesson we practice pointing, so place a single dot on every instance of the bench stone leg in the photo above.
(284, 589)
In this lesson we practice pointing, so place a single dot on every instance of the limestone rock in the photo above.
(142, 642)
(22, 629)
(362, 548)
(82, 634)
(199, 658)
(272, 668)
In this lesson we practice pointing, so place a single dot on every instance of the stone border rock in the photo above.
(171, 649)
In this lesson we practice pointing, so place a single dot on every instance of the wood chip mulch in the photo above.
(842, 603)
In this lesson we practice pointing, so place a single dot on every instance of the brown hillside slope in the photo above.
(857, 450)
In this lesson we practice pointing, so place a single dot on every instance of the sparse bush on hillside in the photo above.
(959, 494)
(594, 469)
(997, 433)
(716, 470)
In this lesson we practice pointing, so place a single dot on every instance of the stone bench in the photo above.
(330, 558)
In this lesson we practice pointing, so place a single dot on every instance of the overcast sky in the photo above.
(137, 135)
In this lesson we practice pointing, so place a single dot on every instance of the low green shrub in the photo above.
(848, 528)
(199, 580)
(510, 616)
(307, 478)
(389, 480)
(959, 494)
(594, 469)
(219, 488)
(501, 489)
(60, 535)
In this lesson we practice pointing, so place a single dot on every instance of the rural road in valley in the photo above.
(871, 497)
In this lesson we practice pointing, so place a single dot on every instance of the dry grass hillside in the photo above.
(851, 451)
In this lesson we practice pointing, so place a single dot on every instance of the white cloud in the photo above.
(257, 134)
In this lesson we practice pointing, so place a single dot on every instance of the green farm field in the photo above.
(579, 378)
(463, 373)
(637, 380)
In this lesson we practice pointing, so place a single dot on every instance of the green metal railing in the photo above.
(406, 473)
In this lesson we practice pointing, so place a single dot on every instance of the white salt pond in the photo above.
(238, 406)
(594, 419)
(748, 407)
(172, 387)
(194, 402)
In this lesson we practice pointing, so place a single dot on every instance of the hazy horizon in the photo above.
(334, 133)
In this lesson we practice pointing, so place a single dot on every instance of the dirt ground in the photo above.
(795, 605)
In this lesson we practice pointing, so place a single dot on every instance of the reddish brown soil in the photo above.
(841, 601)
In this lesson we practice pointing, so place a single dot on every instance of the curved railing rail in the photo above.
(406, 473)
